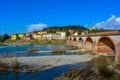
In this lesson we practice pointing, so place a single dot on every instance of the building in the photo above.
(76, 34)
(54, 36)
(13, 37)
(21, 36)
(38, 36)
(62, 35)
(27, 38)
(49, 36)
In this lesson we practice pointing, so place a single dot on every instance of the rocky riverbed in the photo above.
(100, 68)
(39, 63)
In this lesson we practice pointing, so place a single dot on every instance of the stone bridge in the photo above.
(99, 43)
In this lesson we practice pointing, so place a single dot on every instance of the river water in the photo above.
(49, 74)
(21, 50)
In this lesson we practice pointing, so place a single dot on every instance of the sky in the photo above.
(19, 16)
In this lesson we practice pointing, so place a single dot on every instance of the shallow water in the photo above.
(21, 50)
(49, 74)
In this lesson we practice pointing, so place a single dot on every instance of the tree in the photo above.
(5, 36)
(67, 33)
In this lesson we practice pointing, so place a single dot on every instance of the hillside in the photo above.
(77, 28)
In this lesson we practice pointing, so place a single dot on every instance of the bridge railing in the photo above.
(103, 33)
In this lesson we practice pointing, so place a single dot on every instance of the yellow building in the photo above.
(21, 36)
(38, 37)
(14, 37)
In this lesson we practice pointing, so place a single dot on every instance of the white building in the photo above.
(57, 35)
(62, 35)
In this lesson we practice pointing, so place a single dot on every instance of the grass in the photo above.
(3, 66)
(15, 64)
(100, 66)
(7, 67)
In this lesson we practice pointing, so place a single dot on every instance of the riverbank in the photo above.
(99, 68)
(21, 42)
(32, 64)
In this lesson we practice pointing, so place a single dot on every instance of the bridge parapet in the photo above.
(116, 32)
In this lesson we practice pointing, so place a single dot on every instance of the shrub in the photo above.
(100, 65)
(3, 66)
(35, 50)
(32, 50)
(59, 51)
(15, 64)
(29, 50)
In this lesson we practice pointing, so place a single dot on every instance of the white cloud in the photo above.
(36, 27)
(112, 23)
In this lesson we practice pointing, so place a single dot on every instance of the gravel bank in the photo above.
(46, 62)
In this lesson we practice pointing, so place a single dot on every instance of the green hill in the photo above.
(76, 28)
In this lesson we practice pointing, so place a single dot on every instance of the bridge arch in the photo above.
(67, 38)
(74, 39)
(80, 44)
(80, 39)
(105, 45)
(89, 44)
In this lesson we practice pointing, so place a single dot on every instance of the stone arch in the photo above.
(70, 39)
(80, 39)
(74, 39)
(67, 38)
(80, 43)
(105, 45)
(89, 44)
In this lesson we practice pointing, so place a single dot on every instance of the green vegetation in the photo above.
(99, 68)
(76, 28)
(4, 37)
(15, 65)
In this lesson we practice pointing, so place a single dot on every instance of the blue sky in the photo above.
(18, 16)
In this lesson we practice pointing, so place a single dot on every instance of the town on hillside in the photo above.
(53, 33)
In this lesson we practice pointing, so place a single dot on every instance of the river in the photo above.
(48, 74)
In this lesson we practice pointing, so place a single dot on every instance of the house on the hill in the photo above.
(21, 36)
(54, 36)
(28, 37)
(62, 35)
(14, 37)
